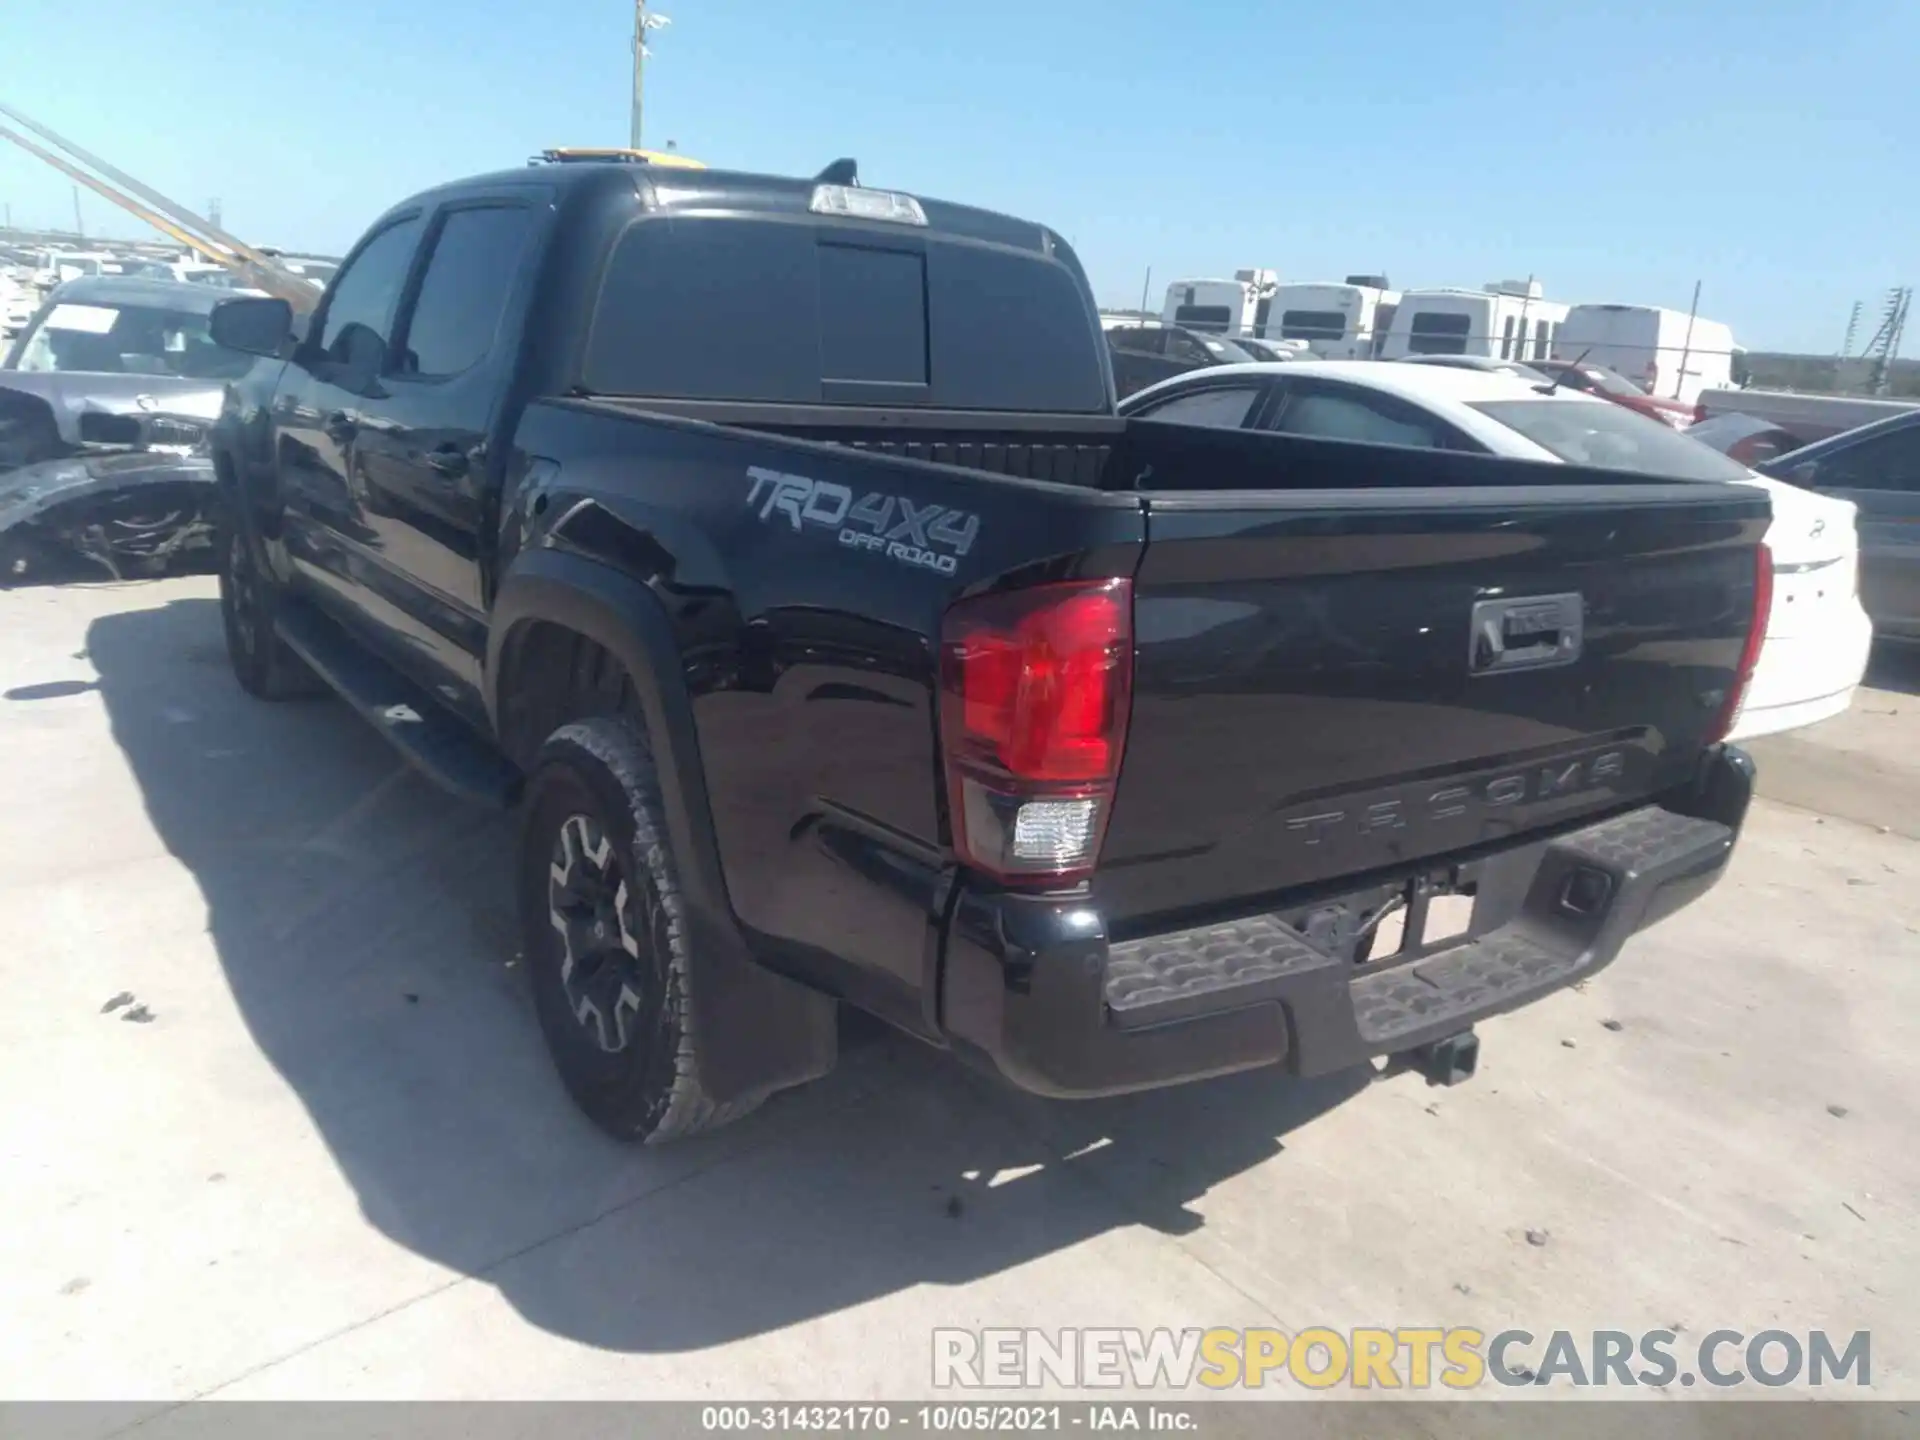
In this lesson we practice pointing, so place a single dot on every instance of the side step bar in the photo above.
(433, 741)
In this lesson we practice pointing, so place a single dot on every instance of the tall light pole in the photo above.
(1853, 325)
(643, 21)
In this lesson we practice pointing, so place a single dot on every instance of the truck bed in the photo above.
(1306, 703)
(1124, 455)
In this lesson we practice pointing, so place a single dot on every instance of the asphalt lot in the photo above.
(320, 1152)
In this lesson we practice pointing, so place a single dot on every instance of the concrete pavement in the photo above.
(319, 1150)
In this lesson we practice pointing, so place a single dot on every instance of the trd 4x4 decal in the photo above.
(929, 536)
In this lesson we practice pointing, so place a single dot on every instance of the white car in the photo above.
(1818, 636)
(17, 305)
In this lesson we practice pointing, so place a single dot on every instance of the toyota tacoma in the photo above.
(774, 547)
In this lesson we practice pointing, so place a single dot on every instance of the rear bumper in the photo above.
(1804, 679)
(1032, 986)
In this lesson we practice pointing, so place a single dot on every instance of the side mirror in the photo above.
(253, 325)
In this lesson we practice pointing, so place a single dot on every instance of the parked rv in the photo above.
(1670, 353)
(1347, 321)
(1507, 321)
(1239, 306)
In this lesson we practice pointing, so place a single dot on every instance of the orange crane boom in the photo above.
(151, 207)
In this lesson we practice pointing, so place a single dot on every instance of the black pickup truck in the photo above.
(774, 546)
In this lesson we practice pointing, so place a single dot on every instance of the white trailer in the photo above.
(1347, 321)
(1509, 320)
(1669, 353)
(1222, 307)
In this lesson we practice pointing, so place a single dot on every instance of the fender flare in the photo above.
(623, 616)
(756, 1031)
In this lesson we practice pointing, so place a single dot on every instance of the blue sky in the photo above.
(1618, 150)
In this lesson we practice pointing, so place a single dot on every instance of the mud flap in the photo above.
(755, 1032)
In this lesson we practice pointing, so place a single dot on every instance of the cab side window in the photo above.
(354, 333)
(464, 292)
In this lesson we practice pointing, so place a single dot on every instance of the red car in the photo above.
(1609, 385)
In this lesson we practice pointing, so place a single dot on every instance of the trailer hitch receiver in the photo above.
(1447, 1062)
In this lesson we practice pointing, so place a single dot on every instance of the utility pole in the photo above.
(78, 228)
(1884, 348)
(643, 21)
(1145, 286)
(1853, 326)
(1686, 346)
(213, 210)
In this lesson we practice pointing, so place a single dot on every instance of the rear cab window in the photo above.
(780, 311)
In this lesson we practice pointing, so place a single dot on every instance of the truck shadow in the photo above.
(1894, 666)
(364, 925)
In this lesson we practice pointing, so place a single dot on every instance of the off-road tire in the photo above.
(617, 1028)
(263, 663)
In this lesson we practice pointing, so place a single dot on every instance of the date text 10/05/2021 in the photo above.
(940, 1419)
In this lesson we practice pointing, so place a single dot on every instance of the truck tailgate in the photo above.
(1337, 684)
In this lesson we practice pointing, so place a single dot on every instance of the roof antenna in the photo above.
(1552, 387)
(845, 171)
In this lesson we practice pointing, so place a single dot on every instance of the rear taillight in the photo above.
(1729, 714)
(1035, 689)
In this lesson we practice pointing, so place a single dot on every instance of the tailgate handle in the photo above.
(1529, 632)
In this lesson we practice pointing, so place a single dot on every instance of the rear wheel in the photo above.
(262, 662)
(605, 936)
